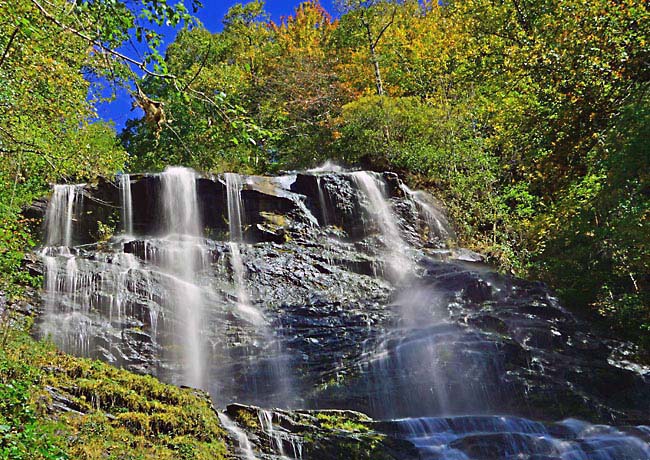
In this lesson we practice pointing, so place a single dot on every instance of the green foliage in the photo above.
(118, 415)
(598, 246)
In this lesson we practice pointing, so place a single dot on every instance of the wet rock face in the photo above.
(310, 313)
(323, 435)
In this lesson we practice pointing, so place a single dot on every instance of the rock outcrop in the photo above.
(342, 327)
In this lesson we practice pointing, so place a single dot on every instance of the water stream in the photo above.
(244, 443)
(127, 204)
(510, 438)
(235, 218)
(60, 214)
(379, 209)
(182, 258)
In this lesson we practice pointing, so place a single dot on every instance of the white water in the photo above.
(379, 209)
(278, 437)
(243, 441)
(127, 204)
(520, 438)
(180, 202)
(322, 202)
(435, 220)
(328, 166)
(182, 223)
(77, 289)
(60, 214)
(235, 218)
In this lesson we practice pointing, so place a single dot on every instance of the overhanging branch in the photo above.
(140, 64)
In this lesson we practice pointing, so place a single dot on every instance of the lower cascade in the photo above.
(330, 314)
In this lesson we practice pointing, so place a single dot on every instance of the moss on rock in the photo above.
(73, 408)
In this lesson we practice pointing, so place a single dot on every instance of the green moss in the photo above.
(247, 419)
(342, 421)
(114, 414)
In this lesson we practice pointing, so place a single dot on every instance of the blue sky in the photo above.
(213, 11)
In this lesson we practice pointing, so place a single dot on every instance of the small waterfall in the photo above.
(279, 436)
(127, 204)
(60, 214)
(322, 202)
(379, 209)
(235, 217)
(182, 222)
(277, 377)
(233, 190)
(180, 202)
(244, 443)
(434, 219)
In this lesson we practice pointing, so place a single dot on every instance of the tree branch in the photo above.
(6, 51)
(205, 59)
(141, 65)
(388, 24)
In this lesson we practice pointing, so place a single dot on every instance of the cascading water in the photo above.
(379, 209)
(446, 339)
(127, 204)
(239, 434)
(277, 374)
(279, 436)
(234, 201)
(499, 437)
(182, 224)
(60, 215)
(322, 202)
(435, 220)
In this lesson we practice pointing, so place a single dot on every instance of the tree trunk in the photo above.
(375, 63)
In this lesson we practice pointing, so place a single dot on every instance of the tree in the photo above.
(49, 53)
(304, 89)
(373, 18)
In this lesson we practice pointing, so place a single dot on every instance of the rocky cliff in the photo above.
(330, 290)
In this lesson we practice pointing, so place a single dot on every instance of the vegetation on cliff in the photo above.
(54, 407)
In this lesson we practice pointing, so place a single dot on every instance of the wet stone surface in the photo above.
(310, 311)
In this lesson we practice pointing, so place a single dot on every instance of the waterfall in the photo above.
(279, 436)
(127, 203)
(278, 376)
(182, 223)
(379, 208)
(244, 443)
(60, 214)
(283, 313)
(435, 220)
(233, 190)
(235, 218)
(322, 202)
(180, 202)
